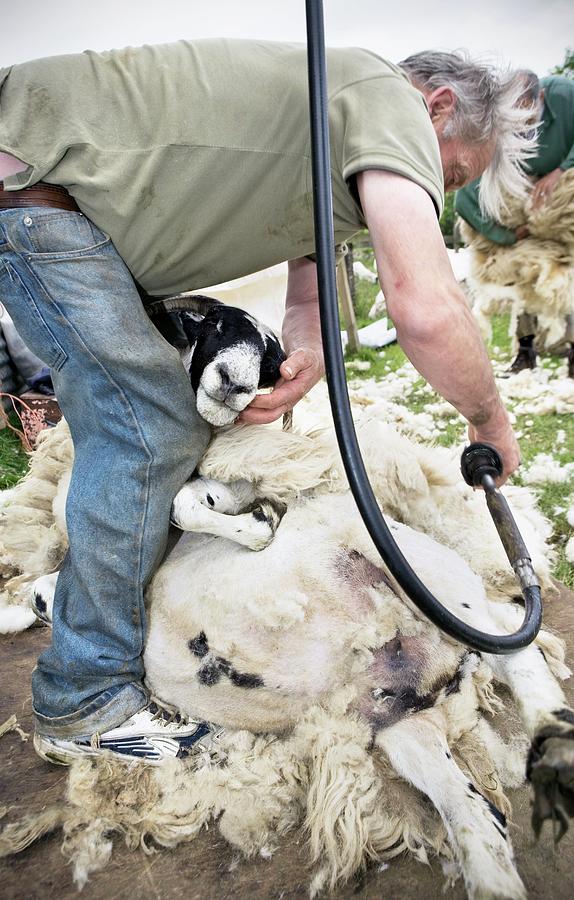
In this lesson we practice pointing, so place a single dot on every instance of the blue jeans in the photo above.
(137, 438)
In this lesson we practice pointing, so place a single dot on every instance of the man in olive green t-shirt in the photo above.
(190, 164)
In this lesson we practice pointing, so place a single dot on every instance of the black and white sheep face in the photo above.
(231, 356)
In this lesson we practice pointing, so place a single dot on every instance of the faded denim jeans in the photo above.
(137, 438)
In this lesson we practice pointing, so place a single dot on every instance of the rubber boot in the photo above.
(525, 359)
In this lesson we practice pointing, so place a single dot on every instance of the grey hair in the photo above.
(487, 109)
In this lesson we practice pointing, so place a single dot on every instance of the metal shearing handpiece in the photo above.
(481, 465)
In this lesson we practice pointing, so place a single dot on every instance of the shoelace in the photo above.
(163, 713)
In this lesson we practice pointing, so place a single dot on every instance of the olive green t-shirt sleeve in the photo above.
(387, 126)
(467, 206)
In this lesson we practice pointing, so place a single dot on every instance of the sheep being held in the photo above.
(341, 708)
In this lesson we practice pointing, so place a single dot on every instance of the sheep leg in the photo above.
(549, 722)
(544, 711)
(526, 672)
(233, 498)
(418, 750)
(43, 590)
(254, 529)
(547, 718)
(527, 675)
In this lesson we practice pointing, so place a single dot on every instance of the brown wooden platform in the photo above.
(207, 868)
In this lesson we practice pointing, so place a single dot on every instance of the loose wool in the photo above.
(535, 275)
(545, 469)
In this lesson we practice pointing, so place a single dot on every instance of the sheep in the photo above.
(535, 275)
(419, 485)
(312, 641)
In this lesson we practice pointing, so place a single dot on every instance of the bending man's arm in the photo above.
(302, 342)
(435, 326)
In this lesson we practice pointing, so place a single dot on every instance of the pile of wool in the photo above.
(544, 469)
(538, 392)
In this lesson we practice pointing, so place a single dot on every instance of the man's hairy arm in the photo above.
(435, 327)
(302, 342)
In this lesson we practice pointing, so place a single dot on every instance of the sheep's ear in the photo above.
(271, 362)
(177, 317)
(190, 323)
(171, 328)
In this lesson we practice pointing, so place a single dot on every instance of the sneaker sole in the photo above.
(59, 756)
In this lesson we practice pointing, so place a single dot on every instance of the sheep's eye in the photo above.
(219, 326)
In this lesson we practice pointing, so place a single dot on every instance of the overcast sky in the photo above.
(525, 33)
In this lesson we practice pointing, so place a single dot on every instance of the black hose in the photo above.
(337, 383)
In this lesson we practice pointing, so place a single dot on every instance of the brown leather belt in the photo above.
(40, 194)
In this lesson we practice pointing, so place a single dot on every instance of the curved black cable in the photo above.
(337, 383)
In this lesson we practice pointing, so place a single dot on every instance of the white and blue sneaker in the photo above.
(151, 735)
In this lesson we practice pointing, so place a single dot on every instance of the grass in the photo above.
(13, 459)
(539, 433)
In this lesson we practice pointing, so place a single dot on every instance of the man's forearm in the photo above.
(302, 327)
(302, 340)
(302, 322)
(434, 324)
(450, 353)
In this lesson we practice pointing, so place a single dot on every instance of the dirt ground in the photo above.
(207, 868)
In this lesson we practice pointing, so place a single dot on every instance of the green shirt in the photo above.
(555, 149)
(194, 156)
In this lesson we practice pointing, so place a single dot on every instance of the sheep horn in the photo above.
(196, 303)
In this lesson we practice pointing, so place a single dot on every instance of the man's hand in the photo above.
(502, 437)
(544, 187)
(299, 373)
(302, 341)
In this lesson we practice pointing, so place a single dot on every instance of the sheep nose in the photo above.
(226, 385)
(223, 373)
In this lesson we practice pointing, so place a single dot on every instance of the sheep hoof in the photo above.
(551, 771)
(267, 514)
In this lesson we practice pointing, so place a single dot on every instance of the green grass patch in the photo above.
(539, 435)
(501, 342)
(13, 459)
